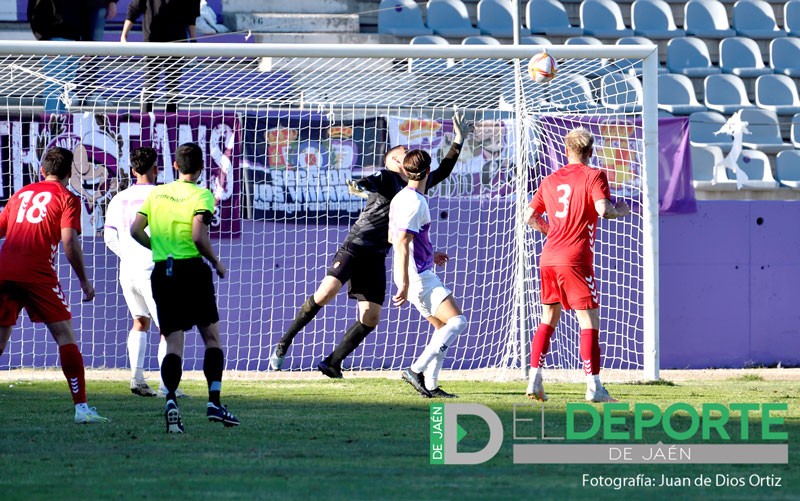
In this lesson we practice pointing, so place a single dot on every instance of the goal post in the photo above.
(283, 126)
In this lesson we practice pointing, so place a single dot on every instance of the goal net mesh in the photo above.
(281, 137)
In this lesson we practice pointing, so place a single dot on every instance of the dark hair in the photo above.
(57, 162)
(416, 164)
(386, 156)
(189, 158)
(143, 159)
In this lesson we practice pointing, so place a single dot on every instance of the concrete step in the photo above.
(326, 38)
(293, 23)
(292, 7)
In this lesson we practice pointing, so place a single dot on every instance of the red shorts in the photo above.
(572, 286)
(43, 302)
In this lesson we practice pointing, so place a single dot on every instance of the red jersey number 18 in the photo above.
(33, 208)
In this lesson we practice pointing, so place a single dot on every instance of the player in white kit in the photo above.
(409, 226)
(136, 264)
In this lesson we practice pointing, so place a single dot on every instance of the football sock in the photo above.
(306, 314)
(213, 362)
(162, 352)
(72, 366)
(541, 344)
(171, 372)
(590, 351)
(354, 336)
(593, 382)
(137, 344)
(441, 339)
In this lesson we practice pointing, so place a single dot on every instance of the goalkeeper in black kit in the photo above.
(361, 259)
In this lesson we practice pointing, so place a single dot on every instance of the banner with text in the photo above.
(298, 163)
(102, 144)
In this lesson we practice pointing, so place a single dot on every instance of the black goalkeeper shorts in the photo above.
(363, 271)
(185, 297)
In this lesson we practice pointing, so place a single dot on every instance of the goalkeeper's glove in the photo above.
(355, 189)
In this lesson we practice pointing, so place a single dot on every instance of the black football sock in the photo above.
(354, 336)
(171, 372)
(213, 362)
(306, 314)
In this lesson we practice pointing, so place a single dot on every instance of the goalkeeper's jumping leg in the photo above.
(327, 290)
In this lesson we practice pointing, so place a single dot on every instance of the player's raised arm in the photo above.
(72, 249)
(461, 129)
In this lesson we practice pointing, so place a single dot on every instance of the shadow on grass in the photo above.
(360, 438)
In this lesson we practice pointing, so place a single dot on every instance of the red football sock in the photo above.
(590, 351)
(72, 365)
(541, 344)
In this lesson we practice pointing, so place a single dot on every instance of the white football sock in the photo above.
(446, 337)
(137, 345)
(593, 382)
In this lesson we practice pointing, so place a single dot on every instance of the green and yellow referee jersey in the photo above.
(170, 209)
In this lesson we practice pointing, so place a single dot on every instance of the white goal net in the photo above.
(283, 127)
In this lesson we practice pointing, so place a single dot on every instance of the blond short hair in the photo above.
(580, 141)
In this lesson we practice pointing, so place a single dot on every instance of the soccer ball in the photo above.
(542, 67)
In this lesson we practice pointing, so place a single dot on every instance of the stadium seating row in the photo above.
(600, 18)
(727, 94)
(765, 131)
(756, 164)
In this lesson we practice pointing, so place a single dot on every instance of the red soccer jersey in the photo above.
(32, 222)
(568, 196)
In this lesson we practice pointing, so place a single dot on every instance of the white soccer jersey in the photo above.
(409, 213)
(135, 260)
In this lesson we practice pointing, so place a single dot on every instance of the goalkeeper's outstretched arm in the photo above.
(447, 164)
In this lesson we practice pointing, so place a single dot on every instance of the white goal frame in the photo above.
(647, 53)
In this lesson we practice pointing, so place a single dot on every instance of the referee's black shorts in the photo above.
(186, 298)
(365, 270)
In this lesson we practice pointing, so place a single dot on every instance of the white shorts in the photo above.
(426, 292)
(139, 296)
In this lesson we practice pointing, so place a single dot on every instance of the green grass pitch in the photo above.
(358, 438)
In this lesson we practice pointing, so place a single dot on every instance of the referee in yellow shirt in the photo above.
(179, 214)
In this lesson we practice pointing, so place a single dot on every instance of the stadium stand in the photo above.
(676, 95)
(480, 40)
(689, 56)
(707, 19)
(534, 40)
(704, 158)
(784, 56)
(758, 168)
(401, 18)
(429, 65)
(765, 131)
(654, 19)
(450, 18)
(755, 19)
(702, 128)
(574, 93)
(603, 18)
(637, 66)
(787, 169)
(791, 18)
(777, 93)
(618, 92)
(549, 17)
(794, 134)
(495, 18)
(742, 57)
(593, 69)
(725, 93)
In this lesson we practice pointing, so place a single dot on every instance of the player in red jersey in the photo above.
(573, 198)
(35, 219)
